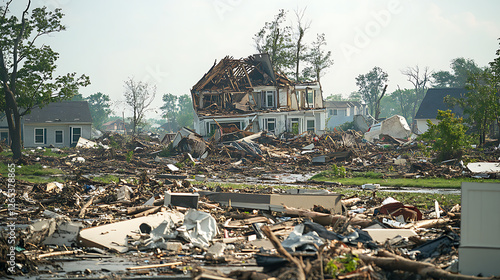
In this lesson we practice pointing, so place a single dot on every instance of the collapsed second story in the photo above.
(239, 86)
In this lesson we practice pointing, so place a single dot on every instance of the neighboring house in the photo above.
(59, 124)
(117, 126)
(434, 101)
(4, 130)
(340, 112)
(247, 94)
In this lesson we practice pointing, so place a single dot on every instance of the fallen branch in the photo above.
(326, 219)
(84, 208)
(392, 262)
(277, 244)
(154, 266)
(148, 212)
(138, 209)
(58, 253)
(432, 223)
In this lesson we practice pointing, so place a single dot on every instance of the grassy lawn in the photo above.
(34, 173)
(358, 179)
(106, 179)
(423, 201)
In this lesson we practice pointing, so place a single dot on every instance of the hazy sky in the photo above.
(171, 44)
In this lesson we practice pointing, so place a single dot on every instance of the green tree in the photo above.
(335, 97)
(371, 88)
(461, 69)
(319, 60)
(355, 96)
(481, 103)
(186, 111)
(448, 138)
(178, 110)
(78, 97)
(405, 99)
(138, 96)
(99, 105)
(170, 110)
(276, 40)
(27, 69)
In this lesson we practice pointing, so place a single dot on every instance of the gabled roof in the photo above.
(117, 121)
(342, 104)
(434, 101)
(61, 112)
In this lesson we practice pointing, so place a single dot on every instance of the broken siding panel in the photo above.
(294, 100)
(283, 97)
(318, 96)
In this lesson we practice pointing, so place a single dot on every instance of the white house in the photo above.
(434, 101)
(340, 112)
(59, 124)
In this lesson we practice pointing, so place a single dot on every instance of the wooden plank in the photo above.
(155, 265)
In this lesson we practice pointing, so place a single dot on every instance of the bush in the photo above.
(338, 172)
(448, 138)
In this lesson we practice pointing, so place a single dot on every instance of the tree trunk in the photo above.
(15, 136)
(14, 122)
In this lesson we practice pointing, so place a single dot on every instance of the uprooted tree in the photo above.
(27, 70)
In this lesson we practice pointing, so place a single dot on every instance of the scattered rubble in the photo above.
(153, 219)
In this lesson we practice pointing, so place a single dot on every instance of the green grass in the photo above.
(33, 173)
(106, 179)
(50, 153)
(238, 185)
(6, 153)
(423, 201)
(377, 178)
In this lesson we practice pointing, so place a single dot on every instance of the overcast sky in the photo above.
(171, 44)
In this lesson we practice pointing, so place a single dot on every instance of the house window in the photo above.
(39, 136)
(310, 125)
(334, 112)
(59, 136)
(270, 124)
(4, 137)
(310, 97)
(294, 125)
(269, 98)
(76, 133)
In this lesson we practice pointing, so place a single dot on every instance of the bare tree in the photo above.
(139, 96)
(300, 48)
(419, 80)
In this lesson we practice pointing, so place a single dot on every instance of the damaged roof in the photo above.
(240, 75)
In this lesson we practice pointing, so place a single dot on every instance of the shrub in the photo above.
(448, 138)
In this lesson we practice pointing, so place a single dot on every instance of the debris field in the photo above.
(165, 212)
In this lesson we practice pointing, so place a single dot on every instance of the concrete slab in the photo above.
(382, 235)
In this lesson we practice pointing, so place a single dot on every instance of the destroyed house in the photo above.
(247, 94)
